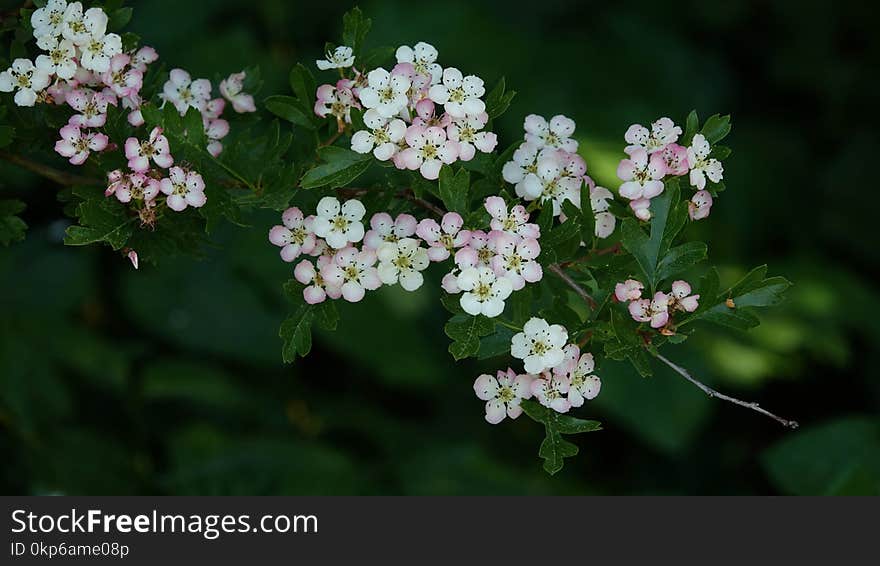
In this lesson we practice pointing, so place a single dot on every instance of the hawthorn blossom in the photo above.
(385, 92)
(339, 225)
(76, 28)
(402, 261)
(132, 256)
(139, 153)
(502, 394)
(426, 115)
(215, 130)
(124, 82)
(295, 236)
(655, 311)
(28, 79)
(184, 188)
(48, 20)
(143, 57)
(460, 96)
(548, 183)
(183, 92)
(641, 208)
(383, 139)
(681, 299)
(91, 105)
(605, 221)
(422, 56)
(353, 272)
(449, 283)
(641, 175)
(550, 390)
(700, 205)
(385, 229)
(629, 290)
(466, 132)
(523, 162)
(100, 46)
(483, 292)
(317, 290)
(339, 58)
(231, 88)
(578, 371)
(662, 133)
(60, 60)
(443, 238)
(428, 150)
(701, 164)
(138, 187)
(539, 345)
(515, 222)
(77, 144)
(515, 259)
(556, 134)
(336, 100)
(478, 252)
(676, 159)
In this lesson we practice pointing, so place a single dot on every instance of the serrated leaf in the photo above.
(680, 258)
(327, 315)
(302, 83)
(194, 128)
(554, 448)
(12, 228)
(466, 331)
(119, 18)
(648, 249)
(290, 109)
(691, 125)
(498, 100)
(496, 344)
(101, 220)
(716, 128)
(355, 28)
(453, 188)
(296, 334)
(341, 167)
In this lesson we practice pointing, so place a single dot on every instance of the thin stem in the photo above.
(713, 393)
(332, 139)
(56, 175)
(558, 271)
(508, 325)
(410, 196)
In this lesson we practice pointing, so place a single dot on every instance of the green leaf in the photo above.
(734, 308)
(841, 457)
(341, 167)
(290, 109)
(119, 18)
(554, 449)
(194, 128)
(496, 344)
(680, 258)
(454, 188)
(648, 250)
(12, 228)
(498, 101)
(326, 315)
(101, 220)
(153, 115)
(716, 128)
(296, 333)
(466, 331)
(691, 125)
(354, 29)
(302, 83)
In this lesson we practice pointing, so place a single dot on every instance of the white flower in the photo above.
(483, 291)
(384, 138)
(339, 58)
(29, 80)
(663, 132)
(550, 389)
(422, 57)
(339, 225)
(539, 345)
(700, 205)
(605, 221)
(524, 161)
(60, 60)
(460, 96)
(401, 261)
(385, 92)
(556, 134)
(96, 54)
(503, 394)
(582, 384)
(183, 92)
(48, 20)
(74, 25)
(701, 165)
(549, 182)
(231, 88)
(466, 131)
(428, 150)
(89, 33)
(353, 272)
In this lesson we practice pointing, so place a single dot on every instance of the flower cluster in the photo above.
(418, 115)
(654, 155)
(557, 374)
(658, 310)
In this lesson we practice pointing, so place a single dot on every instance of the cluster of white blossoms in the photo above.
(556, 374)
(418, 114)
(488, 266)
(658, 310)
(654, 155)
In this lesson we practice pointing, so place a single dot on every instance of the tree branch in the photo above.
(713, 393)
(558, 271)
(56, 175)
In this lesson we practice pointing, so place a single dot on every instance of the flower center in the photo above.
(146, 148)
(351, 273)
(340, 223)
(483, 291)
(508, 224)
(77, 26)
(429, 151)
(179, 189)
(514, 263)
(539, 348)
(57, 56)
(484, 255)
(381, 136)
(299, 235)
(386, 94)
(506, 394)
(96, 46)
(457, 95)
(466, 133)
(24, 81)
(403, 262)
(56, 17)
(338, 109)
(447, 241)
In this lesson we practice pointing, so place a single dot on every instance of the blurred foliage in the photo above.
(170, 381)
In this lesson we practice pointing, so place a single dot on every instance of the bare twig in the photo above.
(558, 271)
(410, 196)
(713, 393)
(56, 175)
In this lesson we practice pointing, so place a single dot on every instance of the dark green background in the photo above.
(169, 380)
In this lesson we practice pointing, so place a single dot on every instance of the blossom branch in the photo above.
(56, 175)
(713, 393)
